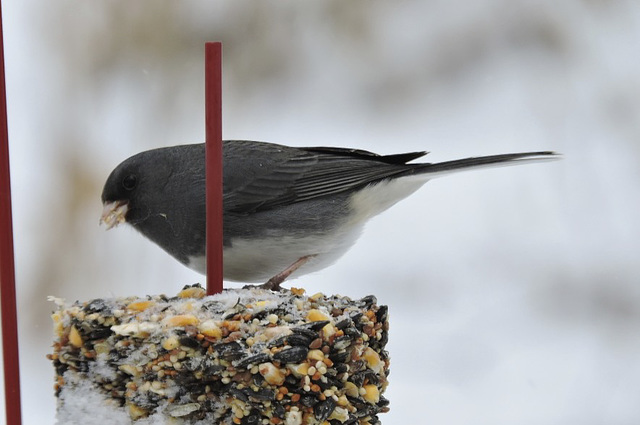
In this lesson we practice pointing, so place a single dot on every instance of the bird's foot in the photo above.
(274, 283)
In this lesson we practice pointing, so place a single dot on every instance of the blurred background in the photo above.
(514, 293)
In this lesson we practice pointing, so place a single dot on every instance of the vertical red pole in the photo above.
(7, 270)
(213, 125)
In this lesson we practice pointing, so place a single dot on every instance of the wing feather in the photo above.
(293, 175)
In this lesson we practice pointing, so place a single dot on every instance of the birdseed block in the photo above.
(246, 356)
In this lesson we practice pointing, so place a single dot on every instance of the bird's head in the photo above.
(134, 188)
(151, 184)
(121, 193)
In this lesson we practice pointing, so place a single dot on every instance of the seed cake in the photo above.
(246, 356)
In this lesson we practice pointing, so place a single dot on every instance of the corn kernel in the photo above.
(74, 337)
(372, 394)
(271, 373)
(316, 296)
(140, 305)
(192, 292)
(351, 389)
(328, 331)
(170, 343)
(316, 315)
(211, 329)
(373, 360)
(129, 369)
(180, 321)
(297, 291)
(298, 370)
(136, 412)
(315, 355)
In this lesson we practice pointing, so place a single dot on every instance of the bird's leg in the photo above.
(275, 281)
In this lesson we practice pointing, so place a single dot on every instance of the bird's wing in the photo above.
(400, 158)
(268, 176)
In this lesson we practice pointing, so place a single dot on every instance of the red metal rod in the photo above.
(7, 270)
(213, 125)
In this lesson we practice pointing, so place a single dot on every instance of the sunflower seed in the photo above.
(291, 355)
(324, 409)
(252, 360)
(229, 351)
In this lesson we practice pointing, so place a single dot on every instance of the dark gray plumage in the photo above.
(282, 205)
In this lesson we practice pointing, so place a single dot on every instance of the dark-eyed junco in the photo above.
(286, 209)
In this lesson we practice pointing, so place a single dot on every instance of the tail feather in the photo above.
(448, 167)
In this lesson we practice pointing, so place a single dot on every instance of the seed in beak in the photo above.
(114, 213)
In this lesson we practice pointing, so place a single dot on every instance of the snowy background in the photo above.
(514, 293)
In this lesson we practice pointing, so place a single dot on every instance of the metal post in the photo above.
(7, 266)
(213, 117)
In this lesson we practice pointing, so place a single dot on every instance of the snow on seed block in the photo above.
(246, 356)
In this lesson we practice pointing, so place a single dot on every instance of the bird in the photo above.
(286, 210)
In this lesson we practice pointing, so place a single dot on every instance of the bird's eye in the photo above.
(129, 182)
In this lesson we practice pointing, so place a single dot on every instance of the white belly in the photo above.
(257, 260)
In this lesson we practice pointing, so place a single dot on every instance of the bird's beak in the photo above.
(114, 213)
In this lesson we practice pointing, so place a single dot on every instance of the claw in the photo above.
(274, 283)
